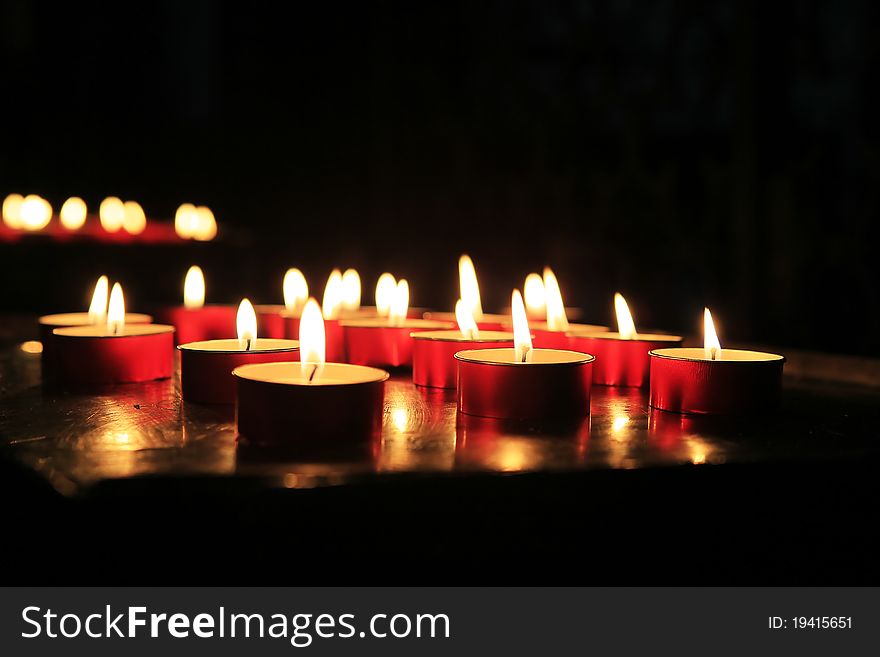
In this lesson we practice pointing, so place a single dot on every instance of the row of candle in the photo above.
(534, 372)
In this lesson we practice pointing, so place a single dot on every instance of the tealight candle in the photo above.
(621, 358)
(715, 380)
(97, 314)
(282, 321)
(206, 366)
(433, 352)
(195, 321)
(114, 352)
(522, 382)
(552, 334)
(280, 403)
(469, 290)
(384, 342)
(331, 308)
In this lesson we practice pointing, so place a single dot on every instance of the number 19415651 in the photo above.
(810, 623)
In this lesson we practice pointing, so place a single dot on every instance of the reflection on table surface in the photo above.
(75, 440)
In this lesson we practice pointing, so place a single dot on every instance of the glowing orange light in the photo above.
(194, 288)
(625, 324)
(522, 336)
(711, 345)
(73, 213)
(116, 310)
(312, 342)
(246, 325)
(556, 319)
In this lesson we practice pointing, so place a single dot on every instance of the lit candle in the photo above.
(714, 380)
(621, 358)
(97, 314)
(312, 400)
(469, 291)
(195, 321)
(331, 308)
(282, 321)
(114, 352)
(551, 334)
(434, 364)
(206, 366)
(386, 342)
(524, 382)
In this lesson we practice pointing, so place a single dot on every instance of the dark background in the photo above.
(684, 153)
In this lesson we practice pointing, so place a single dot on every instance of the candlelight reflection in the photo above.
(32, 347)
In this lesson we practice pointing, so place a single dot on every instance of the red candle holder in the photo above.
(375, 344)
(434, 365)
(48, 324)
(87, 355)
(488, 322)
(737, 381)
(621, 361)
(545, 338)
(555, 385)
(206, 367)
(276, 405)
(334, 340)
(198, 324)
(291, 325)
(270, 321)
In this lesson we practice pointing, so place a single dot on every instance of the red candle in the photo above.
(115, 352)
(486, 321)
(283, 403)
(195, 321)
(621, 358)
(522, 382)
(715, 380)
(206, 367)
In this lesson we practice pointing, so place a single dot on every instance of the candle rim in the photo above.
(72, 331)
(487, 318)
(192, 348)
(658, 353)
(592, 328)
(582, 358)
(432, 336)
(409, 323)
(615, 335)
(52, 320)
(380, 375)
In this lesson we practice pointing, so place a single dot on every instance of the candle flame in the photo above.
(12, 211)
(351, 290)
(116, 310)
(468, 286)
(73, 213)
(625, 324)
(98, 307)
(295, 290)
(386, 288)
(186, 221)
(711, 345)
(35, 213)
(556, 319)
(332, 303)
(466, 323)
(194, 288)
(246, 325)
(204, 226)
(535, 296)
(522, 336)
(111, 212)
(312, 343)
(400, 304)
(134, 221)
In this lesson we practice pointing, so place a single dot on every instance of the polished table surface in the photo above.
(545, 490)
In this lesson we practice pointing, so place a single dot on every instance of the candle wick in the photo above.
(248, 348)
(525, 353)
(312, 375)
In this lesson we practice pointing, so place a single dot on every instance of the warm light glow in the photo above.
(625, 325)
(295, 290)
(556, 319)
(98, 307)
(134, 220)
(332, 303)
(400, 418)
(312, 344)
(35, 213)
(386, 288)
(466, 323)
(116, 310)
(535, 296)
(186, 221)
(470, 289)
(112, 214)
(522, 336)
(400, 304)
(619, 423)
(711, 345)
(12, 211)
(194, 288)
(351, 290)
(246, 325)
(73, 213)
(32, 347)
(204, 225)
